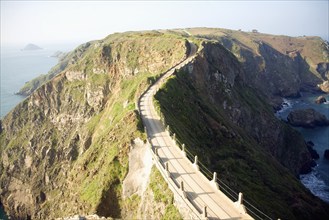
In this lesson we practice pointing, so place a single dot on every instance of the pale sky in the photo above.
(43, 22)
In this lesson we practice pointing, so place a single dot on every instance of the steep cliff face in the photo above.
(64, 150)
(231, 127)
(277, 65)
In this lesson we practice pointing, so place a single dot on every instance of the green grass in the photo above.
(163, 194)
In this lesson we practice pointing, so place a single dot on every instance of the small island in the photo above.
(31, 47)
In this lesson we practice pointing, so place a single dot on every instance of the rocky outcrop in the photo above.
(312, 151)
(324, 86)
(58, 54)
(222, 82)
(323, 69)
(321, 99)
(279, 66)
(307, 118)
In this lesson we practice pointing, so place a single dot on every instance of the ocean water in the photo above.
(18, 67)
(318, 180)
(3, 215)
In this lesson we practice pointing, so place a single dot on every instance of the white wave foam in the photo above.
(286, 104)
(316, 185)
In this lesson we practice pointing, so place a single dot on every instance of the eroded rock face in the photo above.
(140, 164)
(220, 77)
(323, 69)
(51, 151)
(313, 152)
(307, 118)
(274, 71)
(219, 116)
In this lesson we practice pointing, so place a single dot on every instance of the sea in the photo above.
(18, 67)
(318, 180)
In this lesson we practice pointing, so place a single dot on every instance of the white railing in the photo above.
(181, 197)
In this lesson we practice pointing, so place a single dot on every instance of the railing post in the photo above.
(167, 129)
(182, 189)
(240, 198)
(241, 207)
(167, 168)
(174, 138)
(195, 164)
(205, 214)
(214, 177)
(183, 150)
(214, 181)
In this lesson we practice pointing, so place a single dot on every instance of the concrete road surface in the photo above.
(200, 191)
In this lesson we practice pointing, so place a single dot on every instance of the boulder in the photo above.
(326, 154)
(324, 86)
(321, 99)
(307, 118)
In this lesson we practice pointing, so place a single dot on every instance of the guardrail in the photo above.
(176, 188)
(212, 176)
(204, 171)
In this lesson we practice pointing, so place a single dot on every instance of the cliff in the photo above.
(232, 129)
(280, 66)
(64, 149)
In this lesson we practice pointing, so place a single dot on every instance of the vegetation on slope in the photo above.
(65, 148)
(225, 146)
(163, 194)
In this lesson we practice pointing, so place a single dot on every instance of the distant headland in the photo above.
(31, 47)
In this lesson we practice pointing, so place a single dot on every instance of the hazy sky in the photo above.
(43, 22)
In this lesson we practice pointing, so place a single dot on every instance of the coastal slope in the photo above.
(66, 146)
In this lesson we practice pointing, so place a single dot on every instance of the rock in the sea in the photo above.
(321, 99)
(313, 152)
(307, 118)
(324, 86)
(58, 54)
(326, 154)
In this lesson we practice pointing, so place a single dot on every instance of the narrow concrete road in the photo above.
(198, 189)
